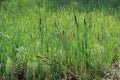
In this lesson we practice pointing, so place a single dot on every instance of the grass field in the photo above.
(59, 39)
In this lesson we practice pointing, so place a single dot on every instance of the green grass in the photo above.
(48, 42)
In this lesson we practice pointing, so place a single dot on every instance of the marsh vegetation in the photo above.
(59, 39)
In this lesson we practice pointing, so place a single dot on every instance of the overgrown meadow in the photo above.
(59, 39)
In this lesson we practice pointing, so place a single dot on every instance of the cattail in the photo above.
(85, 22)
(75, 18)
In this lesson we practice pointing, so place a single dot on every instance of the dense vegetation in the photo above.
(59, 39)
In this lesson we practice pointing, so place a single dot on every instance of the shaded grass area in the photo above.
(40, 43)
(82, 5)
